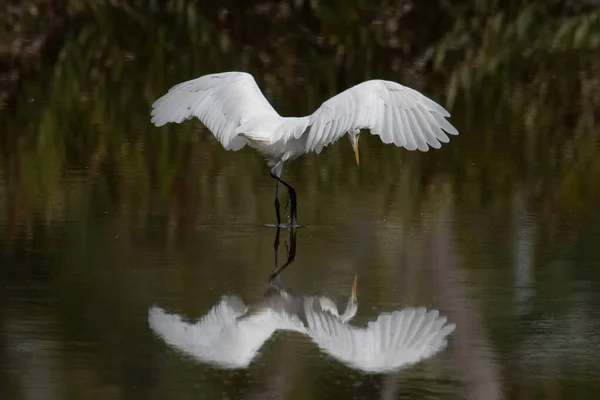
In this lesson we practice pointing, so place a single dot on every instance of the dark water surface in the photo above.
(103, 215)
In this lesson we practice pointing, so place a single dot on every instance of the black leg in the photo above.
(287, 202)
(294, 210)
(277, 205)
(290, 257)
(292, 194)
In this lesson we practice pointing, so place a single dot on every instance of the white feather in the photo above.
(390, 342)
(218, 338)
(388, 109)
(232, 107)
(230, 336)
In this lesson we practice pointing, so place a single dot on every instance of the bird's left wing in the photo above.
(218, 338)
(223, 102)
(392, 341)
(398, 114)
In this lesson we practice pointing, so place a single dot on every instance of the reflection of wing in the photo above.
(392, 341)
(219, 337)
(328, 305)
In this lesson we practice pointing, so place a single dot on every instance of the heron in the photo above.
(233, 108)
(231, 334)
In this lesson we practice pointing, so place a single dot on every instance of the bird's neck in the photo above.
(350, 311)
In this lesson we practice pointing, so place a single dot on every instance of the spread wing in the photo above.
(392, 341)
(396, 113)
(223, 102)
(219, 337)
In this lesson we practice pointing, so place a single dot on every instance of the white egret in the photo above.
(231, 333)
(233, 108)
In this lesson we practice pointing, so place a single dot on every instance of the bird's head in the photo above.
(353, 136)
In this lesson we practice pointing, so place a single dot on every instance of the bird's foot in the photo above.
(283, 226)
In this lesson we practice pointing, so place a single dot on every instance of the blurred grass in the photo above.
(521, 79)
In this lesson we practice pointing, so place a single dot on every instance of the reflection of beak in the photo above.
(354, 287)
(356, 153)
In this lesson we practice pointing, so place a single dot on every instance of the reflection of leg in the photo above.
(292, 197)
(287, 248)
(290, 257)
(276, 246)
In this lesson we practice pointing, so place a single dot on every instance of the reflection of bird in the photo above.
(232, 107)
(231, 334)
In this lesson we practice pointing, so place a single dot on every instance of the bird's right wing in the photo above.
(218, 338)
(398, 114)
(392, 341)
(222, 101)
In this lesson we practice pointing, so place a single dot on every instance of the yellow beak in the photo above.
(356, 153)
(354, 286)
